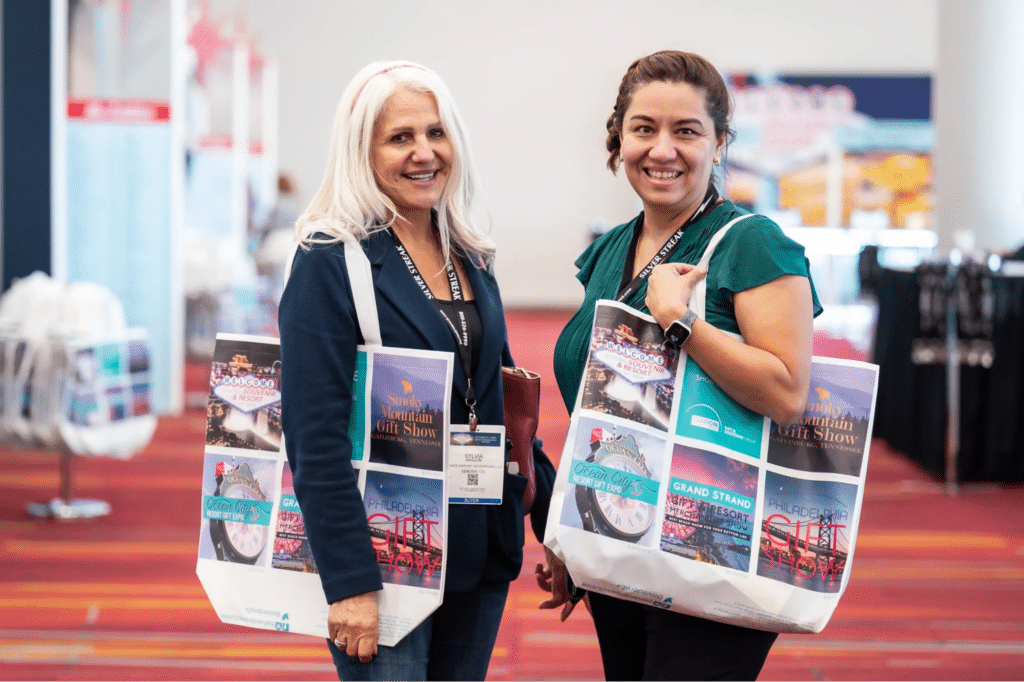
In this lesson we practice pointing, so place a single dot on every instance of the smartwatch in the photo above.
(678, 331)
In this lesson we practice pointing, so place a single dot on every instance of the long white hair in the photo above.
(349, 200)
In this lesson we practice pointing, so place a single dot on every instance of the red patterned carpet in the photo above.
(935, 591)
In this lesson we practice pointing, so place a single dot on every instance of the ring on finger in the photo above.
(340, 644)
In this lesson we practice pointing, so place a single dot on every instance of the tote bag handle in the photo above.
(360, 278)
(698, 297)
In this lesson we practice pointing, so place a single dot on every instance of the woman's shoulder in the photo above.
(728, 212)
(756, 251)
(751, 229)
(318, 264)
(319, 250)
(324, 246)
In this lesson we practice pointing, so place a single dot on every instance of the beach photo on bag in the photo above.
(630, 373)
(708, 414)
(613, 482)
(709, 508)
(357, 416)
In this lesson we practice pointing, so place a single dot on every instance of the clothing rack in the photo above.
(948, 341)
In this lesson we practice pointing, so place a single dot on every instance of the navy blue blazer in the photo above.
(319, 334)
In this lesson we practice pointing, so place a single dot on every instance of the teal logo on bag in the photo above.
(235, 510)
(707, 414)
(614, 480)
(357, 418)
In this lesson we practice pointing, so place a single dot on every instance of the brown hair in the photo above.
(285, 184)
(670, 66)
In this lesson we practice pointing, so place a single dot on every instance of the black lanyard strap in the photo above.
(459, 327)
(628, 286)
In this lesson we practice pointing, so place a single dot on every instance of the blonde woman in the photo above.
(399, 178)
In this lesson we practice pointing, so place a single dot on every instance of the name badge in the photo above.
(476, 464)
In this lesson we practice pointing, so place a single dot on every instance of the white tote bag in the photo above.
(671, 494)
(254, 560)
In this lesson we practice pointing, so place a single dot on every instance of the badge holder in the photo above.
(476, 464)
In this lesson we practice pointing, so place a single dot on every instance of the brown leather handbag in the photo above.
(522, 414)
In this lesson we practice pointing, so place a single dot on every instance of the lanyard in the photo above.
(459, 327)
(628, 287)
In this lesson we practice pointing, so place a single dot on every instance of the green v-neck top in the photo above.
(755, 251)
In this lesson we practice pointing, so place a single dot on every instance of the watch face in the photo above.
(676, 334)
(624, 516)
(246, 539)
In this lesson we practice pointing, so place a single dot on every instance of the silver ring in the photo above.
(340, 644)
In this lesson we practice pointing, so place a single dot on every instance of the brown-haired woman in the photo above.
(669, 129)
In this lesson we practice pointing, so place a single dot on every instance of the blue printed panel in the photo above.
(357, 418)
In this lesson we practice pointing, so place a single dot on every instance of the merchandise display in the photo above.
(74, 379)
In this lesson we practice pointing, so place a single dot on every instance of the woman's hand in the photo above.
(352, 624)
(552, 578)
(669, 288)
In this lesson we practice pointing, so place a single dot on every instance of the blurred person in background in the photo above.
(274, 238)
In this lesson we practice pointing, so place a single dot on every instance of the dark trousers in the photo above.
(640, 642)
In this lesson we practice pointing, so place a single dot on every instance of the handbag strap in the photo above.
(698, 297)
(360, 278)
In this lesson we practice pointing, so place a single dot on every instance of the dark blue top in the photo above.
(319, 334)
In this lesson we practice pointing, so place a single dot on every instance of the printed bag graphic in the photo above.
(672, 494)
(615, 492)
(630, 373)
(254, 558)
(709, 508)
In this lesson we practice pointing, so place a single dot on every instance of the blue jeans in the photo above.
(454, 643)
